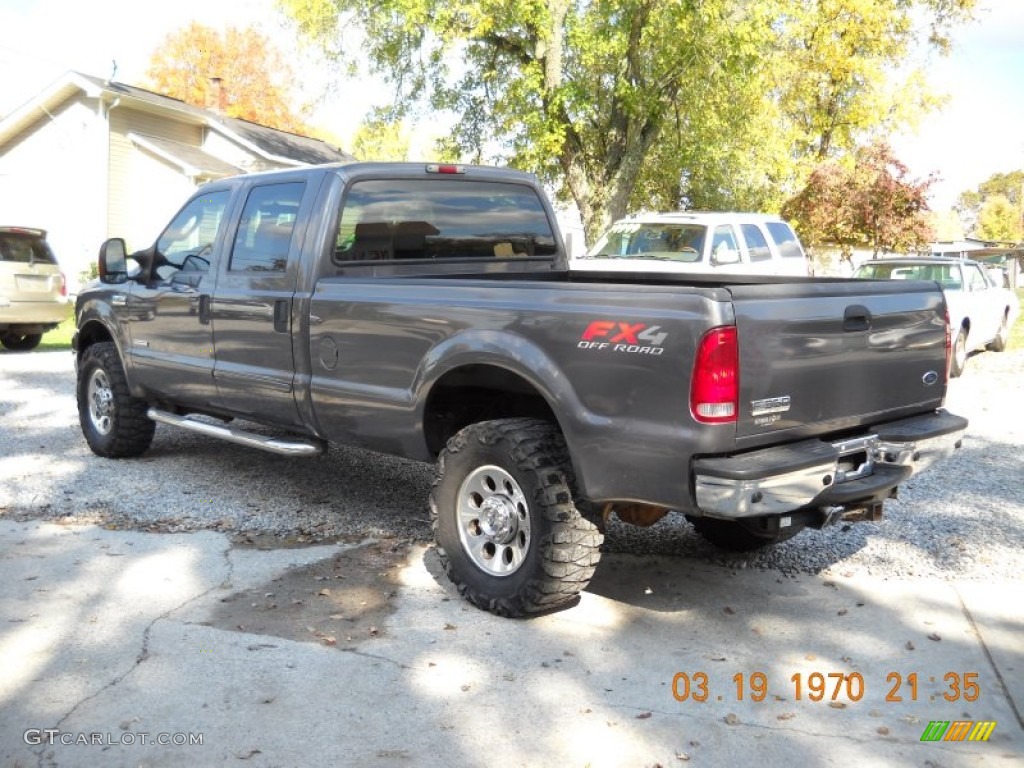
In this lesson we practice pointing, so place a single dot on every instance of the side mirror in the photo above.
(723, 254)
(113, 261)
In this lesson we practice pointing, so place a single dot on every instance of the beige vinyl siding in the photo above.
(52, 177)
(164, 189)
(138, 200)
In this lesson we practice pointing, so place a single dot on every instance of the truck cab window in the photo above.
(410, 219)
(757, 245)
(264, 234)
(187, 243)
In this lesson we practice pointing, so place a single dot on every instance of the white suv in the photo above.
(33, 291)
(698, 243)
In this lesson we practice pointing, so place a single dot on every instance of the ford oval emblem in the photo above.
(930, 378)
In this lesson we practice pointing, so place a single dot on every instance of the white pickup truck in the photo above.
(698, 243)
(980, 310)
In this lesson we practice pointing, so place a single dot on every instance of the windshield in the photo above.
(664, 241)
(946, 274)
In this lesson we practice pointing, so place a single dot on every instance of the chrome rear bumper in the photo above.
(812, 473)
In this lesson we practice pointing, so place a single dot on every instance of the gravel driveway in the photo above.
(963, 519)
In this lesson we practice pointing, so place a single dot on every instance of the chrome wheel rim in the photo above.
(494, 521)
(100, 396)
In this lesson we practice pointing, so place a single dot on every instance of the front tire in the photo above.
(21, 342)
(114, 423)
(508, 532)
(959, 356)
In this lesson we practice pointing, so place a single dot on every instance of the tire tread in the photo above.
(133, 429)
(569, 553)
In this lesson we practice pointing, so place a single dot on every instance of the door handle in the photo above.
(856, 318)
(281, 315)
(204, 309)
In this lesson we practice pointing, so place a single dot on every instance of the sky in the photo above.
(977, 133)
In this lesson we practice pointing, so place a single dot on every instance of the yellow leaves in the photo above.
(254, 77)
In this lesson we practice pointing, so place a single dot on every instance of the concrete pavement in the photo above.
(109, 639)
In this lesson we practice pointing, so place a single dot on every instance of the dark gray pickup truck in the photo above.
(427, 311)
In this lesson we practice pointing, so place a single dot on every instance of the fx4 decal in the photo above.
(634, 338)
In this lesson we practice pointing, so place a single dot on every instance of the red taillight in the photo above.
(715, 386)
(445, 168)
(63, 285)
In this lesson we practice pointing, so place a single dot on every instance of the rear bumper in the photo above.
(14, 314)
(855, 471)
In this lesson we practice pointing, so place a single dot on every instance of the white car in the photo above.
(981, 311)
(698, 243)
(33, 290)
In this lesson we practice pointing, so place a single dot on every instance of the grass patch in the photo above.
(59, 338)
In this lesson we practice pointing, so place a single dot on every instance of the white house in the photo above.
(88, 159)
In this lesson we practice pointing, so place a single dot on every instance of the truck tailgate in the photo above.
(818, 357)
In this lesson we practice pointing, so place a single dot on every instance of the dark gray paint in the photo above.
(369, 343)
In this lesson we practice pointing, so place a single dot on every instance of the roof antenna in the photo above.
(113, 71)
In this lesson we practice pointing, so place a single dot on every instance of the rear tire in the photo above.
(21, 342)
(508, 532)
(959, 357)
(734, 536)
(999, 342)
(114, 423)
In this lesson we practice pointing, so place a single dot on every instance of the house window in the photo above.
(264, 234)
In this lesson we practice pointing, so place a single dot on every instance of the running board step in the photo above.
(293, 447)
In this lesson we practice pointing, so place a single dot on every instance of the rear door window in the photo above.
(414, 219)
(785, 239)
(264, 235)
(757, 246)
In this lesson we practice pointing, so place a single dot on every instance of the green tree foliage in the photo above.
(381, 140)
(870, 203)
(971, 203)
(254, 77)
(655, 103)
(838, 62)
(1000, 219)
